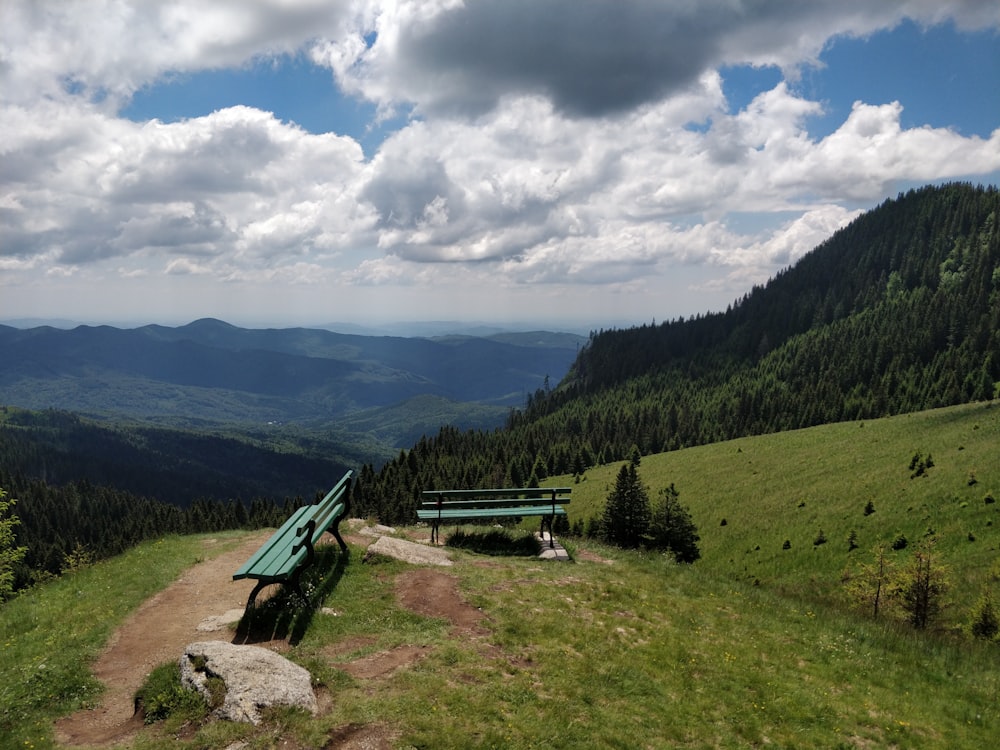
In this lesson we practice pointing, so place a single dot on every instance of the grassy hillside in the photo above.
(793, 485)
(612, 652)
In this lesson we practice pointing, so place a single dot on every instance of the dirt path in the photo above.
(164, 624)
(156, 633)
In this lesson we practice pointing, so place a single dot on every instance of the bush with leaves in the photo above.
(871, 586)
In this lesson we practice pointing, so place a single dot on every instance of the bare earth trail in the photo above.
(156, 633)
(164, 624)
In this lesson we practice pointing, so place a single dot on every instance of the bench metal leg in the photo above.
(291, 582)
(253, 594)
(335, 530)
(552, 538)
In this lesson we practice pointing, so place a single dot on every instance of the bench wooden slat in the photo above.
(494, 503)
(498, 492)
(289, 550)
(472, 513)
(274, 554)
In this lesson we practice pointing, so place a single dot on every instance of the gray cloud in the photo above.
(588, 58)
(592, 58)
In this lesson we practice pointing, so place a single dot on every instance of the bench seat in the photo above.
(291, 549)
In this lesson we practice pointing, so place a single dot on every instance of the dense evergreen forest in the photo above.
(63, 526)
(897, 312)
(172, 465)
(86, 490)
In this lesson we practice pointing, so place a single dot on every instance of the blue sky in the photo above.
(559, 163)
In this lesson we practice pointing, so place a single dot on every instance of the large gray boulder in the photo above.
(240, 681)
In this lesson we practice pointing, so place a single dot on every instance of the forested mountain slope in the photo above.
(898, 312)
(210, 370)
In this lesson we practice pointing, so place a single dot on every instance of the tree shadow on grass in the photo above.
(286, 615)
(498, 542)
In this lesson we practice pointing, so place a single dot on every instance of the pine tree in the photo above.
(672, 528)
(922, 587)
(9, 554)
(985, 622)
(626, 514)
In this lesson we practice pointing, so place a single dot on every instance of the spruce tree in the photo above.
(672, 528)
(626, 513)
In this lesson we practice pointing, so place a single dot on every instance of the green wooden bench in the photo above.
(290, 549)
(484, 505)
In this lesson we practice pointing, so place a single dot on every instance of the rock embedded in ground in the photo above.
(254, 678)
(410, 552)
(377, 530)
(220, 622)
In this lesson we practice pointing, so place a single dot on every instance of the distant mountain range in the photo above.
(211, 371)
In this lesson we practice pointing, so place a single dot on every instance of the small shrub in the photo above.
(162, 695)
(985, 621)
(919, 464)
(852, 540)
(787, 544)
(723, 522)
(79, 558)
(869, 508)
(820, 539)
(216, 688)
(671, 527)
(989, 499)
(900, 542)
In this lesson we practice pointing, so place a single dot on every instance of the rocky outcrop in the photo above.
(238, 682)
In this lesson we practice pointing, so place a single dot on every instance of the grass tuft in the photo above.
(162, 695)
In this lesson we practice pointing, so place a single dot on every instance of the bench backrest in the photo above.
(489, 498)
(336, 503)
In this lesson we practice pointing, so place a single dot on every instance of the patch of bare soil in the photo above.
(592, 557)
(156, 633)
(432, 593)
(384, 663)
(427, 592)
(363, 737)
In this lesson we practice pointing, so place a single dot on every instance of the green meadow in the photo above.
(751, 646)
(750, 496)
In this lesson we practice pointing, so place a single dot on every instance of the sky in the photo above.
(573, 164)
